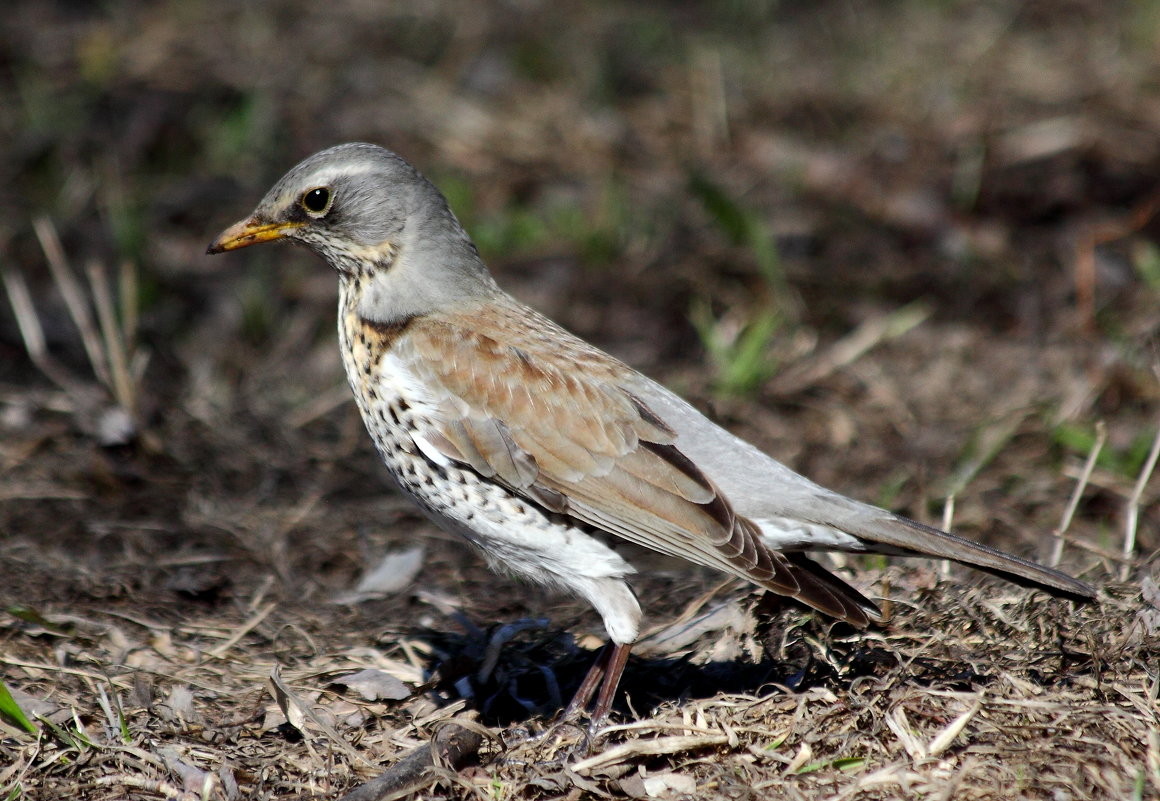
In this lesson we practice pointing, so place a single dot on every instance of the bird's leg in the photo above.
(588, 686)
(617, 659)
(609, 665)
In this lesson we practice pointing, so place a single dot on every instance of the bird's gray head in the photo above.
(375, 219)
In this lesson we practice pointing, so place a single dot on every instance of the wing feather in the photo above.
(550, 419)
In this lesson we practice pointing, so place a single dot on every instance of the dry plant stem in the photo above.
(74, 299)
(947, 520)
(850, 348)
(284, 696)
(115, 348)
(243, 630)
(1133, 510)
(993, 437)
(117, 368)
(658, 745)
(1077, 493)
(453, 746)
(30, 329)
(953, 729)
(320, 405)
(129, 298)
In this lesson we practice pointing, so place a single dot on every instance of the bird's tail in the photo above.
(894, 534)
(945, 545)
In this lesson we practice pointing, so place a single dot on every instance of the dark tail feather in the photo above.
(908, 537)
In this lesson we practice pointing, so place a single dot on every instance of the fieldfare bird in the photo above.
(534, 445)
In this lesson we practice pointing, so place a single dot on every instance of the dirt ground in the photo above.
(909, 248)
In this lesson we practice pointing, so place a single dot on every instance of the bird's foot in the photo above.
(566, 739)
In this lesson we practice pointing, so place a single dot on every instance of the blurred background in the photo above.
(907, 247)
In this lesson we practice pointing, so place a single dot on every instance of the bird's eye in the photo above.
(316, 201)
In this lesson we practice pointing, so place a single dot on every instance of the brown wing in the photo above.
(545, 415)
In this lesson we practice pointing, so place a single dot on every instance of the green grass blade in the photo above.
(11, 710)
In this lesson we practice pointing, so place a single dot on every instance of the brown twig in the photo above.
(454, 746)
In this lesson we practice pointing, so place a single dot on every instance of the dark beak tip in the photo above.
(220, 242)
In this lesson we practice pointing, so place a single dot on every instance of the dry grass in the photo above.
(967, 693)
(933, 223)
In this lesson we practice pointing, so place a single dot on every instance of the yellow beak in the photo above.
(250, 232)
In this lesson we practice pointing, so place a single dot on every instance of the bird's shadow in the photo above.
(533, 674)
